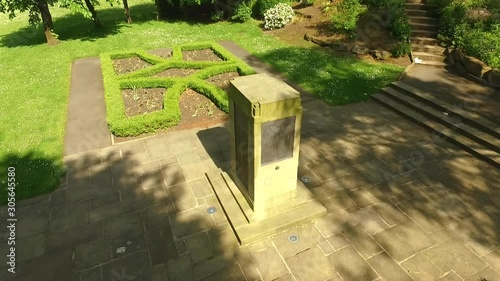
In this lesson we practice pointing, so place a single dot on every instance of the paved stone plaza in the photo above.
(403, 205)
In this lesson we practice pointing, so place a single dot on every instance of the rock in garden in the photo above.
(340, 47)
(475, 66)
(457, 55)
(318, 41)
(380, 54)
(449, 60)
(360, 50)
(493, 76)
(460, 68)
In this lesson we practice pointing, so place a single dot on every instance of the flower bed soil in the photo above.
(142, 101)
(200, 55)
(198, 111)
(127, 65)
(222, 80)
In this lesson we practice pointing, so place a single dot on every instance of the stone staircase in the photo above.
(477, 136)
(424, 43)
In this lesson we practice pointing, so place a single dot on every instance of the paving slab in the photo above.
(351, 266)
(310, 264)
(92, 254)
(269, 262)
(404, 240)
(455, 256)
(387, 268)
(422, 268)
(127, 267)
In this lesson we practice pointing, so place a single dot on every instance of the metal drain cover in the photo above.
(305, 179)
(211, 210)
(293, 238)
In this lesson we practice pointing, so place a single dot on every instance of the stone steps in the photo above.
(468, 117)
(432, 49)
(475, 135)
(424, 33)
(418, 13)
(416, 6)
(424, 26)
(429, 56)
(434, 63)
(424, 41)
(426, 20)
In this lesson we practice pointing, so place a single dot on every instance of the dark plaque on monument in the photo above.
(277, 140)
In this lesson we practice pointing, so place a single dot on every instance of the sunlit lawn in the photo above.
(34, 78)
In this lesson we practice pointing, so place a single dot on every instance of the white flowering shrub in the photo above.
(278, 16)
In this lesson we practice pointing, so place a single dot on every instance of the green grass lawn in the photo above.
(35, 78)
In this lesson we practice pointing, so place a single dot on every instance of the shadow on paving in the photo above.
(395, 192)
(448, 85)
(110, 201)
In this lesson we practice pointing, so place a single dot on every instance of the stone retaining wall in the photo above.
(356, 49)
(473, 68)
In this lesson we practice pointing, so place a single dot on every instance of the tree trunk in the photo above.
(127, 11)
(93, 12)
(48, 26)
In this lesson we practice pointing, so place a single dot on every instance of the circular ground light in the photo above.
(293, 238)
(306, 179)
(211, 210)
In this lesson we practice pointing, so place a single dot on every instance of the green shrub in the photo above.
(438, 5)
(261, 6)
(400, 28)
(401, 49)
(452, 16)
(483, 44)
(398, 25)
(347, 15)
(476, 36)
(278, 16)
(309, 2)
(242, 13)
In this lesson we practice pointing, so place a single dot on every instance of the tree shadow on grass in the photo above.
(35, 174)
(76, 27)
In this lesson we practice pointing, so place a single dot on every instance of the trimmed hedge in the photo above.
(122, 125)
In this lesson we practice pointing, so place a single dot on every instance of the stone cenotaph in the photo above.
(261, 195)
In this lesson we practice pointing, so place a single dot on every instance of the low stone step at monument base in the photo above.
(240, 215)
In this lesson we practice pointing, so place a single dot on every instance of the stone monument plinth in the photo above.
(261, 194)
